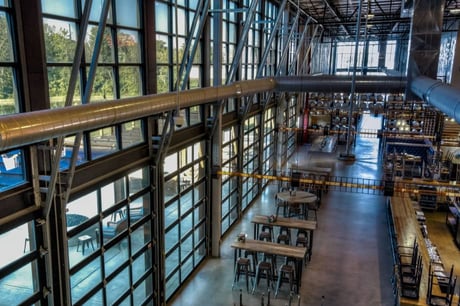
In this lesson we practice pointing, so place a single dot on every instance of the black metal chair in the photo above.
(446, 285)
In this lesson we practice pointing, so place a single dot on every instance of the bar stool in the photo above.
(302, 240)
(263, 267)
(286, 231)
(267, 229)
(267, 236)
(243, 265)
(287, 271)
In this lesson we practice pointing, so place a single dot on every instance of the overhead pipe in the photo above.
(27, 128)
(332, 83)
(444, 97)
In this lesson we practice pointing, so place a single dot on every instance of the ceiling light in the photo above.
(370, 16)
(455, 11)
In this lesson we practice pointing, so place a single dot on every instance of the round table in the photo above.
(297, 197)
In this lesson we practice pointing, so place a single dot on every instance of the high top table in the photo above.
(297, 197)
(292, 223)
(272, 248)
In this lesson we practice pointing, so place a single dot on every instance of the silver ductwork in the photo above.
(27, 128)
(332, 83)
(440, 95)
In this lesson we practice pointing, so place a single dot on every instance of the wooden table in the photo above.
(272, 248)
(298, 197)
(308, 225)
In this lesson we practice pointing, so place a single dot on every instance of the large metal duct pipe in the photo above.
(331, 83)
(440, 95)
(26, 128)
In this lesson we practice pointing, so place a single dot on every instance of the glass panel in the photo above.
(171, 213)
(96, 10)
(138, 180)
(130, 82)
(82, 244)
(195, 115)
(187, 247)
(170, 164)
(181, 23)
(81, 209)
(85, 279)
(58, 84)
(172, 262)
(20, 282)
(141, 265)
(104, 85)
(161, 17)
(139, 208)
(140, 237)
(115, 256)
(106, 54)
(128, 46)
(199, 213)
(11, 169)
(18, 241)
(128, 13)
(171, 238)
(143, 290)
(96, 299)
(131, 133)
(6, 47)
(67, 153)
(8, 91)
(103, 142)
(186, 201)
(60, 40)
(113, 193)
(186, 225)
(117, 286)
(162, 79)
(187, 268)
(199, 192)
(195, 77)
(61, 8)
(172, 284)
(200, 253)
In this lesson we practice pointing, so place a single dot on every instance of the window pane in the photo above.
(81, 209)
(128, 13)
(131, 133)
(103, 142)
(117, 286)
(58, 83)
(161, 17)
(60, 40)
(96, 9)
(106, 54)
(6, 48)
(104, 85)
(143, 290)
(128, 47)
(85, 279)
(138, 180)
(8, 92)
(11, 169)
(61, 8)
(20, 282)
(141, 265)
(139, 208)
(130, 82)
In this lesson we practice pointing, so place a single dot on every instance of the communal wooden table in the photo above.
(298, 197)
(292, 223)
(272, 248)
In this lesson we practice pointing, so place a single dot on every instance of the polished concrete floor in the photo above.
(351, 262)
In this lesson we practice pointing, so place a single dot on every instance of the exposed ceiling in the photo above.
(379, 18)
